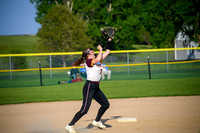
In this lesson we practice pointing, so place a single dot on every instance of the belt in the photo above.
(94, 82)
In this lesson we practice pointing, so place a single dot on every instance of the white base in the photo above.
(127, 120)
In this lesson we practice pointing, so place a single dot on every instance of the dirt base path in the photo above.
(154, 115)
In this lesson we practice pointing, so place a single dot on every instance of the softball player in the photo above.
(91, 88)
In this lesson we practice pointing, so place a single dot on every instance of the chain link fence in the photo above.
(124, 65)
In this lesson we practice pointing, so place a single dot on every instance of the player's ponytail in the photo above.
(78, 62)
(81, 60)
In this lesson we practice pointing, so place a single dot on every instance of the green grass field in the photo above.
(27, 89)
(180, 80)
(112, 89)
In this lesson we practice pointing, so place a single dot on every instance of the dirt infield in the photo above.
(154, 115)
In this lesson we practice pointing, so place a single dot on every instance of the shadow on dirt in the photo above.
(90, 126)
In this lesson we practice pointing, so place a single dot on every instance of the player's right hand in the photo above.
(99, 47)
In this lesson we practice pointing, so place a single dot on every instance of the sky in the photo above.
(17, 17)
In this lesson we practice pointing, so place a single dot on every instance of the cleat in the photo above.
(98, 124)
(70, 129)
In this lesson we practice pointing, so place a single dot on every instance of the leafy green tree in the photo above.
(100, 13)
(187, 16)
(43, 7)
(162, 19)
(158, 20)
(62, 31)
(165, 18)
(144, 36)
(96, 13)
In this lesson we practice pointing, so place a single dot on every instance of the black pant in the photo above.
(91, 90)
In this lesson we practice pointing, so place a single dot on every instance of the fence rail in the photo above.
(137, 64)
(77, 53)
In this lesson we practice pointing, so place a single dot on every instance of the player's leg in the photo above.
(109, 74)
(103, 101)
(88, 93)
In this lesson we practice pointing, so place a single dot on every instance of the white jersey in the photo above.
(93, 72)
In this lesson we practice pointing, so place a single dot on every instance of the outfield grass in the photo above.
(22, 44)
(112, 89)
(26, 44)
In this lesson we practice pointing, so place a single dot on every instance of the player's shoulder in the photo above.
(89, 62)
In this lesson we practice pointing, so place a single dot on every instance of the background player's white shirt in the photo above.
(93, 72)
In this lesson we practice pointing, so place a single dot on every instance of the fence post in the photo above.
(149, 68)
(50, 66)
(1, 65)
(31, 63)
(10, 62)
(167, 60)
(40, 73)
(128, 61)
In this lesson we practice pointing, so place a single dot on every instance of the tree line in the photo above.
(71, 25)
